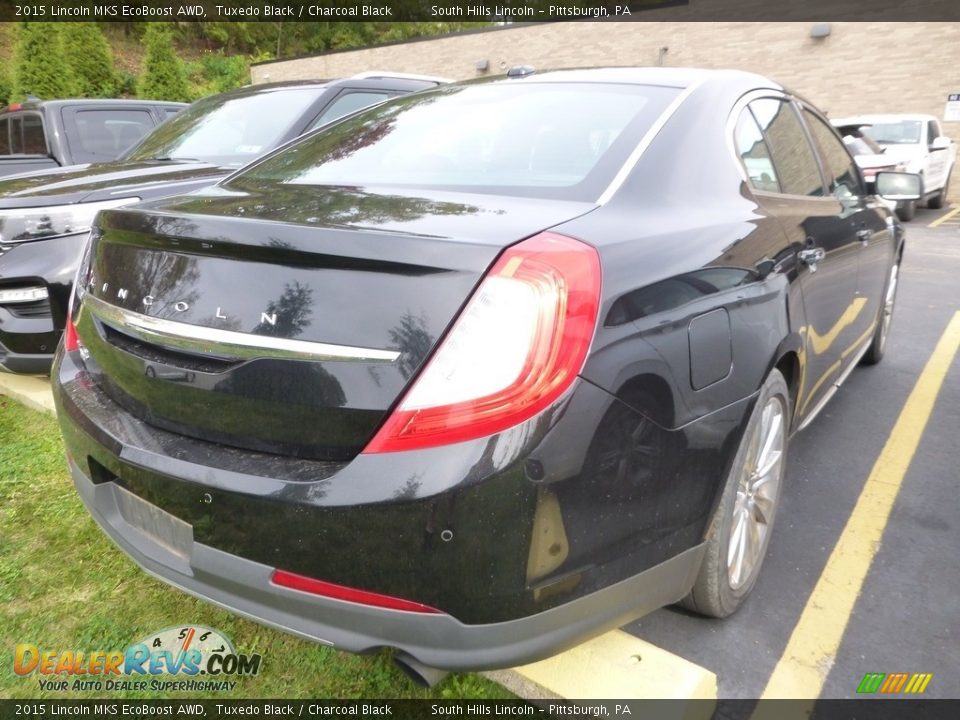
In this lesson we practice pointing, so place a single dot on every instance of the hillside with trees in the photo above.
(170, 61)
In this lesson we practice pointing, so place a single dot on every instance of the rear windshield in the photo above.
(100, 135)
(554, 140)
(228, 130)
(897, 133)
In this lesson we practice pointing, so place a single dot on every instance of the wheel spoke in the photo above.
(757, 490)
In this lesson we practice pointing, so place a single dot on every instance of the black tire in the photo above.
(713, 594)
(878, 345)
(940, 199)
(906, 209)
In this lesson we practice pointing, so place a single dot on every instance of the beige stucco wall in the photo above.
(861, 67)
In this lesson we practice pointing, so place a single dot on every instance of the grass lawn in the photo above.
(64, 586)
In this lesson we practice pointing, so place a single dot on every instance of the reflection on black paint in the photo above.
(675, 292)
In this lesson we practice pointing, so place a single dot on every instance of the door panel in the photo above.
(821, 233)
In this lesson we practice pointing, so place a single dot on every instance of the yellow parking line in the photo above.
(812, 647)
(946, 216)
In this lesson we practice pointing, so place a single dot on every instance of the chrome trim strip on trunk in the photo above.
(225, 344)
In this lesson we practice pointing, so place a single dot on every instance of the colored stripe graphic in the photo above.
(894, 683)
(871, 682)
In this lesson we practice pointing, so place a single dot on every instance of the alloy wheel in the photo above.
(758, 490)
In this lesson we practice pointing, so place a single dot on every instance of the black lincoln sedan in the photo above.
(483, 371)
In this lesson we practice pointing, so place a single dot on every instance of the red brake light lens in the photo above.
(341, 592)
(517, 346)
(70, 340)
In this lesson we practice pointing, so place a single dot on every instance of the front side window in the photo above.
(348, 103)
(4, 136)
(563, 140)
(793, 157)
(841, 170)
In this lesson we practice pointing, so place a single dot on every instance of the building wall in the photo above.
(860, 67)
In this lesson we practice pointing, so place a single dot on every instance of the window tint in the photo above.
(5, 136)
(346, 104)
(34, 142)
(562, 140)
(755, 155)
(16, 135)
(793, 157)
(105, 134)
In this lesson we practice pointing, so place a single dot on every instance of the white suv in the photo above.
(918, 142)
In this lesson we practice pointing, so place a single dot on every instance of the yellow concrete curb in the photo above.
(615, 666)
(34, 392)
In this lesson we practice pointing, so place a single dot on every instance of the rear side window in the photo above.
(100, 135)
(4, 136)
(348, 103)
(793, 157)
(16, 135)
(753, 151)
(841, 171)
(34, 141)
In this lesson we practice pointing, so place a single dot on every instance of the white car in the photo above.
(918, 142)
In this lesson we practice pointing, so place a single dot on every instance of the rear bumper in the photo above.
(244, 587)
(453, 528)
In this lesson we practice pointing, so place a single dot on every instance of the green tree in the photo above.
(40, 67)
(88, 55)
(164, 76)
(6, 86)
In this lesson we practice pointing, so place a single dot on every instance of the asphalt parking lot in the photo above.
(906, 617)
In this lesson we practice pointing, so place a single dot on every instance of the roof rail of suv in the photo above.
(400, 76)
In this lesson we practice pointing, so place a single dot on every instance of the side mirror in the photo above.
(899, 186)
(940, 143)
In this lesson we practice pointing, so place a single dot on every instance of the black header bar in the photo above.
(468, 11)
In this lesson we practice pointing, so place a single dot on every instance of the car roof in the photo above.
(881, 118)
(679, 77)
(38, 104)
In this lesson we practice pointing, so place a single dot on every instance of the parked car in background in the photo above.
(41, 134)
(482, 371)
(45, 217)
(871, 159)
(918, 141)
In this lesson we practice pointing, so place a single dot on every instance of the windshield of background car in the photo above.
(227, 130)
(906, 132)
(552, 140)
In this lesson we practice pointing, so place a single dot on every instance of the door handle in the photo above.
(864, 236)
(811, 256)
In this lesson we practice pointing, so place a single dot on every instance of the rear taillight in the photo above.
(517, 346)
(341, 592)
(70, 340)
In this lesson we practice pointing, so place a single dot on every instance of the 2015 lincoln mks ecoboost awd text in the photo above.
(482, 371)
